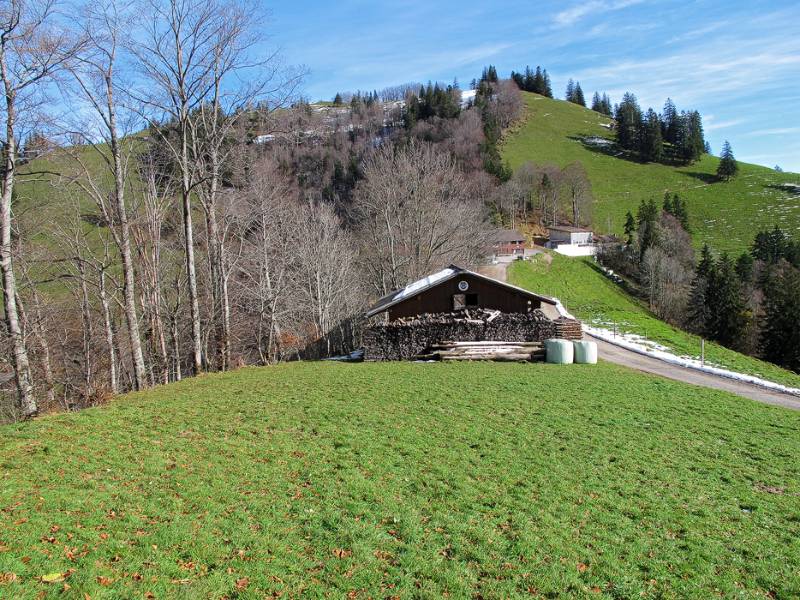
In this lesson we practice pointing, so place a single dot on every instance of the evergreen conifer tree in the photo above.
(668, 205)
(548, 89)
(570, 93)
(728, 320)
(727, 167)
(780, 330)
(577, 95)
(647, 226)
(607, 108)
(630, 228)
(629, 118)
(744, 268)
(651, 145)
(597, 103)
(337, 99)
(699, 313)
(680, 211)
(530, 79)
(669, 119)
(537, 84)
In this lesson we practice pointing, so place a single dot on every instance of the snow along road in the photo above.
(633, 360)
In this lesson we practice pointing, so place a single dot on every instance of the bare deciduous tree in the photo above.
(415, 214)
(177, 57)
(579, 193)
(32, 49)
(94, 72)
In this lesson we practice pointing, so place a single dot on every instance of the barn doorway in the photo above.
(462, 301)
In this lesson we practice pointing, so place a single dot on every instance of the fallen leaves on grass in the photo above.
(53, 577)
(342, 553)
(7, 578)
(241, 584)
(104, 581)
(769, 489)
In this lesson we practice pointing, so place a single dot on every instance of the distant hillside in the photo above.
(726, 215)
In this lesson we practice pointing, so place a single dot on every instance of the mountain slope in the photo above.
(725, 214)
(408, 480)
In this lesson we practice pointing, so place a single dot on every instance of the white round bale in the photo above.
(585, 353)
(559, 352)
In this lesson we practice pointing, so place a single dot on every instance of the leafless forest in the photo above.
(171, 205)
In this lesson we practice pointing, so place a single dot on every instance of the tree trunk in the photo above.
(86, 319)
(41, 338)
(128, 286)
(22, 372)
(109, 330)
(188, 233)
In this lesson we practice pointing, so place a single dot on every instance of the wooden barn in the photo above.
(454, 289)
(457, 314)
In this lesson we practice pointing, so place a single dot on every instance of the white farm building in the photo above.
(572, 241)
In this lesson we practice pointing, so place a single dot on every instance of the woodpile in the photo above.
(410, 337)
(568, 329)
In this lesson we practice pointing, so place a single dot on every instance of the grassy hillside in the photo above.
(594, 298)
(405, 480)
(726, 214)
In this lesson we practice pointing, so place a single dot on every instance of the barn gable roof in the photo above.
(426, 283)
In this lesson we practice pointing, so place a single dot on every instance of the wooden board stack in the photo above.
(486, 350)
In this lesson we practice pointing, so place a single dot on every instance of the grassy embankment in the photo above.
(594, 298)
(725, 214)
(405, 480)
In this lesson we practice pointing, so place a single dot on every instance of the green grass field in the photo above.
(594, 298)
(726, 215)
(405, 480)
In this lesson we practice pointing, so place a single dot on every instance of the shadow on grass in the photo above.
(613, 150)
(707, 178)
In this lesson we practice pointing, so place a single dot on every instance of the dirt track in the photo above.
(639, 362)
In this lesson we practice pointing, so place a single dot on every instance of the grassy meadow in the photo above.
(596, 299)
(725, 214)
(405, 480)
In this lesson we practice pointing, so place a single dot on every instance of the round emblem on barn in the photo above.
(463, 286)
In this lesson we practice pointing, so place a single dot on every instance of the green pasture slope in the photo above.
(405, 480)
(724, 214)
(595, 299)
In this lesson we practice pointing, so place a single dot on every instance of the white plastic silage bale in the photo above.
(559, 352)
(585, 353)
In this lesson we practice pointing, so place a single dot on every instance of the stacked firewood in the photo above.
(568, 329)
(407, 338)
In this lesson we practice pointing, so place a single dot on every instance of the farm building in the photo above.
(566, 234)
(571, 241)
(508, 242)
(459, 305)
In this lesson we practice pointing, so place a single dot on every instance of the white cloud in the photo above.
(575, 13)
(775, 131)
(710, 124)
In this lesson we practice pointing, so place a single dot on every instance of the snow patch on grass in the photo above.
(638, 344)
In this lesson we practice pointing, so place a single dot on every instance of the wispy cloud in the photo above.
(711, 124)
(577, 12)
(699, 32)
(773, 131)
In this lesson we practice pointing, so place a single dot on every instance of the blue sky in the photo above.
(737, 62)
